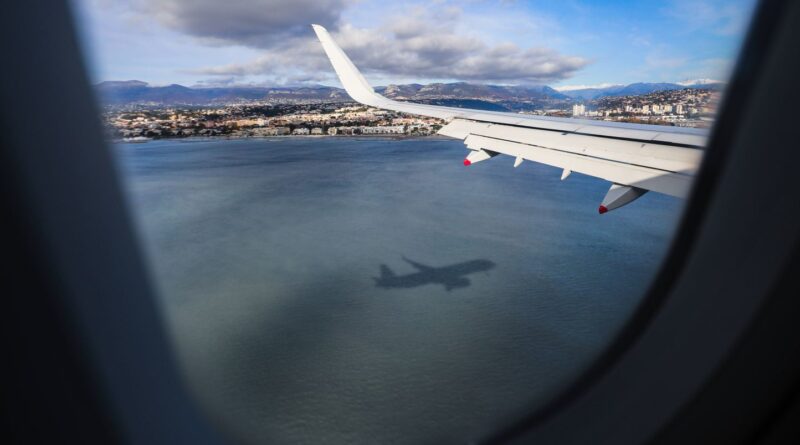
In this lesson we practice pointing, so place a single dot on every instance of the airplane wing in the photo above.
(635, 158)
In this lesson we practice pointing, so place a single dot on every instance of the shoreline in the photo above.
(315, 136)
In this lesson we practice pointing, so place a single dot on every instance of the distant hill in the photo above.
(475, 104)
(463, 90)
(457, 94)
(477, 96)
(639, 88)
(138, 92)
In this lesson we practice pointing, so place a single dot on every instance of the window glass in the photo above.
(331, 272)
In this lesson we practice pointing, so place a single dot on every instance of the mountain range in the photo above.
(638, 88)
(138, 92)
(500, 97)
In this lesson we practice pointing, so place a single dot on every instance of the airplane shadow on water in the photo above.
(451, 277)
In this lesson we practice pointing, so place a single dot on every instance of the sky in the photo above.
(565, 44)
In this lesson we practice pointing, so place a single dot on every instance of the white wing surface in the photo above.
(635, 158)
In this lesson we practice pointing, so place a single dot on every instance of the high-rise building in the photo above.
(578, 110)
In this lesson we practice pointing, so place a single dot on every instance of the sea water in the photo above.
(265, 254)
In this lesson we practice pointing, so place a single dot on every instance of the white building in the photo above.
(383, 129)
(578, 110)
(271, 131)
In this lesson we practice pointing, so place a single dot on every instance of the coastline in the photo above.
(315, 136)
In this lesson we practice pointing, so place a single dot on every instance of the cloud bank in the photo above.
(422, 42)
(255, 23)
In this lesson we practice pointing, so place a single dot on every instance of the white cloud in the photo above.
(422, 42)
(688, 82)
(256, 23)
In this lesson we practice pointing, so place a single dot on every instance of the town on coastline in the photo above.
(136, 123)
(690, 107)
(133, 122)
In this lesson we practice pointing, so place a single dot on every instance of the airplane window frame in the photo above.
(65, 202)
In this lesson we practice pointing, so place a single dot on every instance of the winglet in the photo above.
(353, 82)
(360, 90)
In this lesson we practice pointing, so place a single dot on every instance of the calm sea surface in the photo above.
(267, 254)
